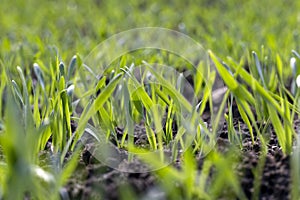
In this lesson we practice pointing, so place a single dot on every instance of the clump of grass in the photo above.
(27, 127)
(268, 103)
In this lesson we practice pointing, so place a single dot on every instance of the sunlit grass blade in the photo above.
(279, 65)
(278, 129)
(238, 90)
(231, 83)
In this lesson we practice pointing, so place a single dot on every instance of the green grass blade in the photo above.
(231, 83)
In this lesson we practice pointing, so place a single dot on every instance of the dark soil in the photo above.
(273, 168)
(93, 179)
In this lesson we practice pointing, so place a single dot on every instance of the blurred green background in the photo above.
(229, 28)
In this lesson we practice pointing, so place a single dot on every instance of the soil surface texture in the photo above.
(95, 180)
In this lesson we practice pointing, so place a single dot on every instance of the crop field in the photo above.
(149, 99)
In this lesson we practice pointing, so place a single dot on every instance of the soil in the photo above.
(95, 180)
